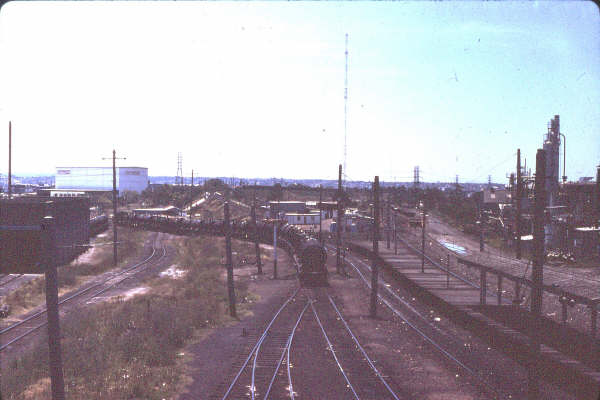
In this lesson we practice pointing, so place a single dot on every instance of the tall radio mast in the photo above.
(346, 110)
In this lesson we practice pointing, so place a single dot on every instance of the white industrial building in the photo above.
(101, 178)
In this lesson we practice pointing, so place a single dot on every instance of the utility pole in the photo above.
(388, 222)
(481, 245)
(537, 273)
(55, 356)
(114, 199)
(228, 260)
(255, 226)
(191, 195)
(320, 214)
(597, 209)
(340, 224)
(519, 205)
(10, 159)
(395, 236)
(423, 221)
(275, 223)
(375, 271)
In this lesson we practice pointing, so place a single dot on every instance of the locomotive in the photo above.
(309, 254)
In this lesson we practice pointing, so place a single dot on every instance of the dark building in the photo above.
(23, 244)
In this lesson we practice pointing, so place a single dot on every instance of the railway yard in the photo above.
(436, 335)
(377, 201)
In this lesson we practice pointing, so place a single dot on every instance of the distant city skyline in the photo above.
(256, 89)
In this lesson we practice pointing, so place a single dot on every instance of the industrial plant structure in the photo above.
(572, 209)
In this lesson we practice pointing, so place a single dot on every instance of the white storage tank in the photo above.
(101, 178)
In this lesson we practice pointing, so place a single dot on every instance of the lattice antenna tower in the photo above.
(345, 111)
(416, 176)
(179, 179)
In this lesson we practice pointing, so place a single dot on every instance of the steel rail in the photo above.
(332, 351)
(289, 346)
(35, 328)
(11, 279)
(362, 350)
(79, 293)
(286, 349)
(446, 353)
(258, 343)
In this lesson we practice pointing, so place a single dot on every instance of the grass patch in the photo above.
(32, 293)
(132, 349)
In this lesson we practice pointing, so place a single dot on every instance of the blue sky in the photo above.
(256, 89)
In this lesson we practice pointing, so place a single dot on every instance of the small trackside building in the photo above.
(101, 178)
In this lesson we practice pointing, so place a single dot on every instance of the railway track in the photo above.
(276, 337)
(582, 282)
(363, 379)
(6, 279)
(498, 380)
(32, 323)
(260, 375)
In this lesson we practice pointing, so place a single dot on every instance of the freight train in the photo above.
(308, 251)
(98, 225)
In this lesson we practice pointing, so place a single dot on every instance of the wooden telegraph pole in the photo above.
(10, 159)
(114, 201)
(191, 194)
(423, 221)
(537, 274)
(340, 224)
(519, 205)
(275, 223)
(229, 261)
(320, 214)
(255, 231)
(479, 211)
(388, 222)
(375, 262)
(54, 354)
(597, 202)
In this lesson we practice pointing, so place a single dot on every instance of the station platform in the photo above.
(461, 301)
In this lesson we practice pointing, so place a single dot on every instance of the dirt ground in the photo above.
(410, 366)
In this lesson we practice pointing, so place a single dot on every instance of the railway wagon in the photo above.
(98, 225)
(24, 241)
(311, 255)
